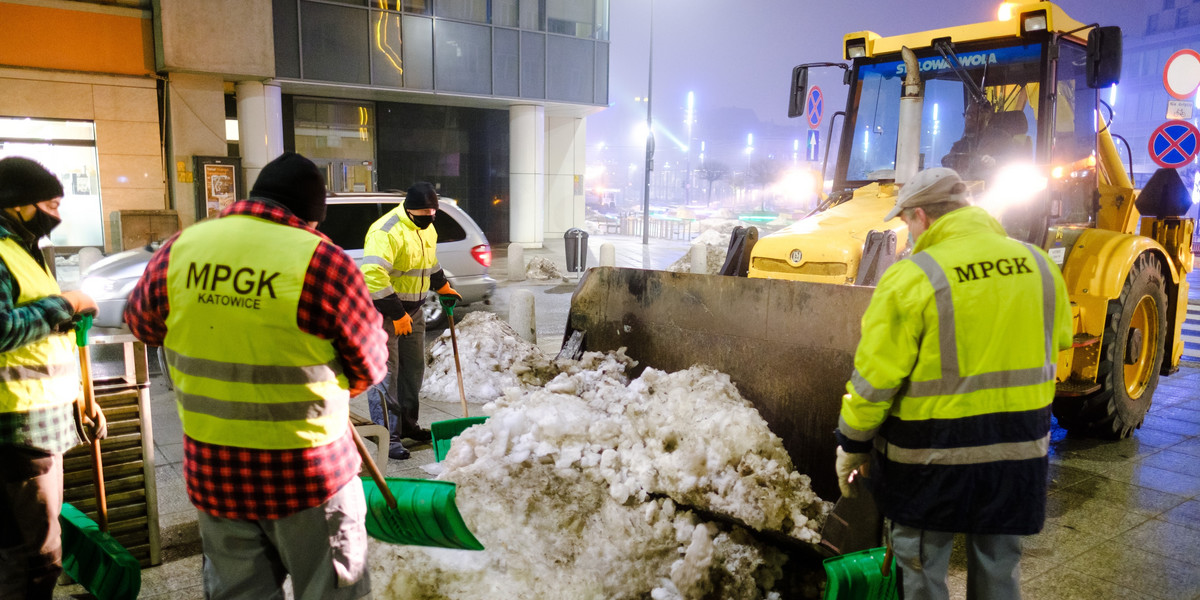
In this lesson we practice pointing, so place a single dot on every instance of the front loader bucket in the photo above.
(789, 346)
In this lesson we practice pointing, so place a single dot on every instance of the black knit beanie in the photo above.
(421, 195)
(24, 181)
(296, 183)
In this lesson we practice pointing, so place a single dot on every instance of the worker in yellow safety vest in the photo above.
(400, 266)
(39, 383)
(268, 331)
(950, 396)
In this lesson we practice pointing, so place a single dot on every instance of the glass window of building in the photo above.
(463, 10)
(339, 136)
(67, 149)
(586, 19)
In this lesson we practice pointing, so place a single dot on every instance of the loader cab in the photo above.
(1014, 116)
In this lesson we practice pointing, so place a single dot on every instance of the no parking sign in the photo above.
(815, 103)
(1174, 144)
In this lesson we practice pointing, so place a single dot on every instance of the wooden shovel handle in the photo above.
(373, 468)
(89, 408)
(462, 395)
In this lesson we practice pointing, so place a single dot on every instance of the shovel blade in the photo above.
(444, 432)
(425, 515)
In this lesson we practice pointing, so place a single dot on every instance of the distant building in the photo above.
(175, 105)
(1140, 100)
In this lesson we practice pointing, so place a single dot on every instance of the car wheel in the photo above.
(435, 317)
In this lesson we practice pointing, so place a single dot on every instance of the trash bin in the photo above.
(575, 240)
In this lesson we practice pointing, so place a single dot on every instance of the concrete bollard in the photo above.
(608, 255)
(516, 262)
(699, 258)
(521, 315)
(88, 256)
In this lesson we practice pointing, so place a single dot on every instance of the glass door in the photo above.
(67, 149)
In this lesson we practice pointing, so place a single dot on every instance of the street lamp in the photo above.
(687, 178)
(649, 136)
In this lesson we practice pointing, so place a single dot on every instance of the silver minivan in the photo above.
(463, 252)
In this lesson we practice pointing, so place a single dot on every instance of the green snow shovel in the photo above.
(91, 556)
(444, 431)
(413, 512)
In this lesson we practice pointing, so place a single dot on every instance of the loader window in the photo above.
(955, 128)
(1074, 146)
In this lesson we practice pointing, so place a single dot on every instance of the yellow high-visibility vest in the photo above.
(245, 374)
(42, 373)
(399, 257)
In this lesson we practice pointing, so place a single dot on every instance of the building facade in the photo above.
(181, 103)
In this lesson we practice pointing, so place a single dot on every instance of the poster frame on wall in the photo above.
(218, 184)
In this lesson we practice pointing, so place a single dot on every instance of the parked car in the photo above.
(463, 252)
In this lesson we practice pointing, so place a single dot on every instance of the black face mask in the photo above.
(41, 224)
(421, 221)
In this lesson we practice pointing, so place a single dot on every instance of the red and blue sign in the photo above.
(1174, 144)
(814, 103)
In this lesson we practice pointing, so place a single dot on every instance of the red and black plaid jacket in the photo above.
(248, 483)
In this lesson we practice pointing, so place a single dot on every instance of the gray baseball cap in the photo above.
(930, 186)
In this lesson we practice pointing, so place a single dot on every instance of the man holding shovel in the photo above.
(40, 383)
(400, 265)
(268, 331)
(950, 396)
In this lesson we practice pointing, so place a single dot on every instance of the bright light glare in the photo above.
(593, 171)
(640, 132)
(1014, 186)
(799, 184)
(1005, 12)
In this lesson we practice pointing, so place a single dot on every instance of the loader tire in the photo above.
(1130, 358)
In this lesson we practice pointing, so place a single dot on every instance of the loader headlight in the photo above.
(1033, 21)
(1014, 186)
(856, 48)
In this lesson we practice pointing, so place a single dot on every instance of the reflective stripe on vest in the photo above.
(416, 262)
(245, 374)
(46, 372)
(953, 383)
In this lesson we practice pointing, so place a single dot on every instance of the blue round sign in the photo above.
(815, 102)
(1174, 144)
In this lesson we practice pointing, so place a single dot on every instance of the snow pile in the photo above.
(541, 268)
(494, 358)
(717, 247)
(582, 489)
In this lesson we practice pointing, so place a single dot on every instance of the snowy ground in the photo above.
(583, 484)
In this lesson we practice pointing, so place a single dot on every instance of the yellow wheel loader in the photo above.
(1013, 106)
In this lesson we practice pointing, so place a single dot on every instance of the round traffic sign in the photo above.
(814, 103)
(1181, 75)
(1174, 144)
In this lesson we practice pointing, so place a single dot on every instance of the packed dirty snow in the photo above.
(541, 268)
(716, 246)
(581, 485)
(493, 358)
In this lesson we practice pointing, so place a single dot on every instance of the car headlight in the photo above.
(103, 289)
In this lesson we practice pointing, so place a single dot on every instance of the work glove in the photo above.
(403, 325)
(94, 426)
(448, 298)
(848, 466)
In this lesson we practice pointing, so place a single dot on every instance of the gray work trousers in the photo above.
(402, 386)
(323, 548)
(923, 556)
(31, 497)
